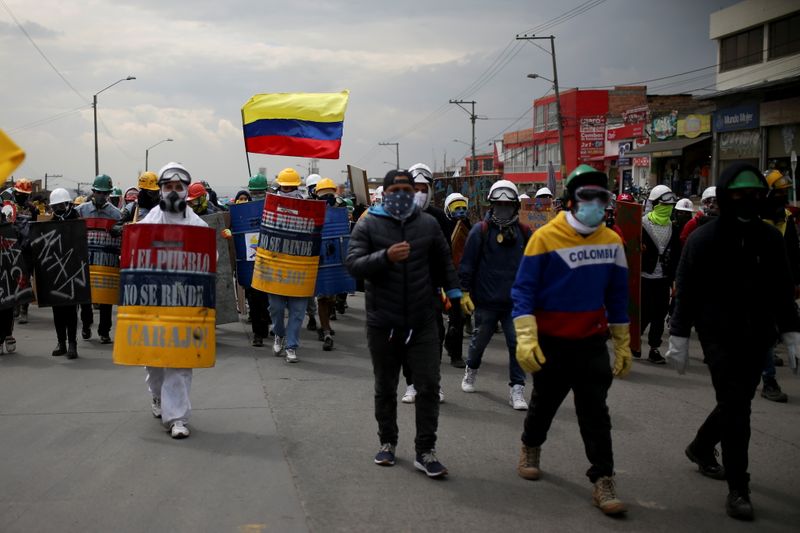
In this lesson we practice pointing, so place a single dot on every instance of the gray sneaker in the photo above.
(468, 383)
(291, 355)
(277, 346)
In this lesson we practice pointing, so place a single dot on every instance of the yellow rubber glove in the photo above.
(623, 359)
(226, 234)
(529, 354)
(467, 307)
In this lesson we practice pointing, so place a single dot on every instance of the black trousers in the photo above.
(581, 366)
(735, 374)
(6, 323)
(259, 312)
(65, 318)
(454, 337)
(418, 349)
(655, 305)
(440, 330)
(87, 318)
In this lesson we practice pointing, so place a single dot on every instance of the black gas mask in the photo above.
(173, 202)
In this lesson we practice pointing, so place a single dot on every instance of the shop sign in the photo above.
(642, 141)
(627, 131)
(592, 136)
(643, 161)
(736, 118)
(637, 115)
(624, 148)
(740, 145)
(780, 112)
(665, 126)
(694, 125)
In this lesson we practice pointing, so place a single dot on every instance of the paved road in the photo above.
(278, 447)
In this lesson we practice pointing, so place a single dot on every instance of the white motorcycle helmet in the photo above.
(684, 204)
(422, 175)
(503, 191)
(543, 192)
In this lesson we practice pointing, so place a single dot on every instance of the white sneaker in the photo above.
(441, 395)
(410, 395)
(277, 346)
(291, 355)
(178, 430)
(468, 383)
(156, 407)
(516, 398)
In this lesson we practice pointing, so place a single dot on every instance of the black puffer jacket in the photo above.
(733, 283)
(400, 295)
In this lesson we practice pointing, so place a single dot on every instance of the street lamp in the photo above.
(147, 151)
(94, 106)
(535, 76)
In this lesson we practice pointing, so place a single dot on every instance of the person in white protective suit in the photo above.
(170, 387)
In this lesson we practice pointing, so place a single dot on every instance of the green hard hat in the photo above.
(116, 192)
(257, 183)
(747, 180)
(102, 183)
(585, 175)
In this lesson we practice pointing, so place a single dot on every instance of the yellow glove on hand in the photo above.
(529, 354)
(226, 234)
(467, 307)
(623, 359)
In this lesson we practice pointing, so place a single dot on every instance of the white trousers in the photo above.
(172, 386)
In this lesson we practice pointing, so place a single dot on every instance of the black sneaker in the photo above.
(72, 350)
(636, 354)
(457, 362)
(385, 456)
(655, 357)
(428, 463)
(708, 466)
(772, 391)
(312, 323)
(320, 335)
(738, 505)
(61, 349)
(258, 341)
(105, 339)
(327, 343)
(86, 333)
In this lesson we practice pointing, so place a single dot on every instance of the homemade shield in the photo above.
(60, 262)
(245, 227)
(166, 315)
(103, 260)
(332, 277)
(15, 287)
(287, 258)
(629, 220)
(536, 212)
(225, 284)
(458, 241)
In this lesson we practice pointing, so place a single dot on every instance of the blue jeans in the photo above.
(485, 324)
(297, 310)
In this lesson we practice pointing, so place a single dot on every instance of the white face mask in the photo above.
(421, 199)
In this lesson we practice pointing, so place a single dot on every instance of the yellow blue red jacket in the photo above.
(574, 285)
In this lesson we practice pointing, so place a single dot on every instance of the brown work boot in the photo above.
(604, 496)
(528, 467)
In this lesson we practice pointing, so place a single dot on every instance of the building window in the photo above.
(552, 116)
(742, 49)
(518, 160)
(539, 120)
(488, 165)
(784, 36)
(546, 153)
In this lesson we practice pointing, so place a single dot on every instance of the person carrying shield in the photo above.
(325, 190)
(170, 387)
(65, 317)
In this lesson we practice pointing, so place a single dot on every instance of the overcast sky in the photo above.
(196, 63)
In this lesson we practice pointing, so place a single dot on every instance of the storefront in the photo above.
(780, 122)
(738, 135)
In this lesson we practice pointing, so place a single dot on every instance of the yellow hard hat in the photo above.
(79, 200)
(148, 181)
(776, 180)
(325, 183)
(289, 177)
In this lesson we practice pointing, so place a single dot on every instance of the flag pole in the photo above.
(246, 153)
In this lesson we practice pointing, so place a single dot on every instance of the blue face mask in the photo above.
(399, 204)
(591, 213)
(460, 213)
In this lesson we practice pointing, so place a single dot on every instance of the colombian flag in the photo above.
(295, 124)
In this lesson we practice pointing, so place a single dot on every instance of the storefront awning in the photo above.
(666, 148)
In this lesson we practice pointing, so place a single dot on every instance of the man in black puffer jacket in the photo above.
(402, 255)
(735, 287)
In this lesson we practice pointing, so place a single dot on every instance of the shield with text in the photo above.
(103, 260)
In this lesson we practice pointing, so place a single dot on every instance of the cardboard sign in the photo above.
(287, 258)
(103, 260)
(225, 285)
(358, 184)
(61, 262)
(536, 212)
(629, 220)
(166, 316)
(15, 286)
(474, 188)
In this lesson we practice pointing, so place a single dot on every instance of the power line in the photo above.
(47, 120)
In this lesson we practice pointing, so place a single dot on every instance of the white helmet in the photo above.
(662, 194)
(685, 204)
(503, 191)
(710, 192)
(452, 197)
(543, 191)
(174, 172)
(312, 180)
(59, 196)
(419, 171)
(524, 196)
(377, 196)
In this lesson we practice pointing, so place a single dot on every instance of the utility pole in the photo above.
(558, 97)
(472, 118)
(46, 175)
(396, 151)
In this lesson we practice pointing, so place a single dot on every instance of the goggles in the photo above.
(503, 195)
(421, 173)
(590, 193)
(668, 198)
(175, 174)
